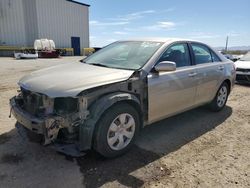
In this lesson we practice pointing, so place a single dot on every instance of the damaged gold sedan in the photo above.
(103, 102)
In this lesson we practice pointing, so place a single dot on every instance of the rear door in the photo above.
(209, 72)
(172, 92)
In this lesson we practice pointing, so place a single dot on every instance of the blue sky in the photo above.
(207, 21)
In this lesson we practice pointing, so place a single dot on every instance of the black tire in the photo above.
(101, 141)
(214, 105)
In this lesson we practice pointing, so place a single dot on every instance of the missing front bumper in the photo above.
(48, 126)
(31, 122)
(66, 149)
(45, 129)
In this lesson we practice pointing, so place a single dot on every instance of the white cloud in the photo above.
(101, 41)
(133, 16)
(233, 34)
(166, 25)
(140, 14)
(97, 23)
(92, 37)
(163, 25)
(120, 33)
(110, 40)
(203, 35)
(131, 29)
(158, 26)
(168, 10)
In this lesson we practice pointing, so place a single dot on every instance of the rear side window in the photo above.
(177, 53)
(201, 54)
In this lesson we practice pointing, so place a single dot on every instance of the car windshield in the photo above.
(131, 55)
(246, 57)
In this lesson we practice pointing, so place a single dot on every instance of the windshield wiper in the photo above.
(98, 64)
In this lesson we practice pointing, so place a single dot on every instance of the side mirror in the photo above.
(165, 66)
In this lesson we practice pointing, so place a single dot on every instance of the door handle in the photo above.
(221, 67)
(192, 74)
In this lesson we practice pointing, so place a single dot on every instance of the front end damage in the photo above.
(69, 122)
(56, 120)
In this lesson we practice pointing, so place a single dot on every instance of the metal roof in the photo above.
(72, 1)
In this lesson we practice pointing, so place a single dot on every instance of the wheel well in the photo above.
(136, 106)
(228, 82)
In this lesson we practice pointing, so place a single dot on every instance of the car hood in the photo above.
(68, 80)
(242, 64)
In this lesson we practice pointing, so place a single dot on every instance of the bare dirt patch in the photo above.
(10, 158)
(4, 138)
(98, 171)
(6, 88)
(2, 176)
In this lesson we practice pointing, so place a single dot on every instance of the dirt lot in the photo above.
(195, 149)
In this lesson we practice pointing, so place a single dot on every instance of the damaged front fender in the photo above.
(86, 130)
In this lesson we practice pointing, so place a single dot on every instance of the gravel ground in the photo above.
(195, 149)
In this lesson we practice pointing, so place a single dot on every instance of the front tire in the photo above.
(220, 99)
(116, 130)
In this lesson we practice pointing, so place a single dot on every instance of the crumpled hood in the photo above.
(242, 64)
(68, 80)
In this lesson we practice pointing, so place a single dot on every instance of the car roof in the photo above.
(164, 40)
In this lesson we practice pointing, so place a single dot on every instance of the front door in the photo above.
(172, 92)
(75, 44)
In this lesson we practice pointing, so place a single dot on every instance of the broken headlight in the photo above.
(65, 105)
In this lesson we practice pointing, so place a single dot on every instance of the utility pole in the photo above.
(226, 44)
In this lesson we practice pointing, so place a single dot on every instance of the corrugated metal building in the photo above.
(64, 21)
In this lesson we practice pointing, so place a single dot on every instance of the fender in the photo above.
(86, 129)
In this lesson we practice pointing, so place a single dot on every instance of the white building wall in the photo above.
(30, 20)
(12, 25)
(60, 20)
(23, 21)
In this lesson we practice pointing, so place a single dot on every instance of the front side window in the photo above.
(215, 57)
(201, 54)
(130, 55)
(177, 53)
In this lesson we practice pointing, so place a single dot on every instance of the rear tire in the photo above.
(220, 99)
(116, 130)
